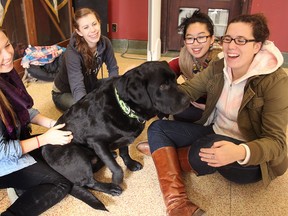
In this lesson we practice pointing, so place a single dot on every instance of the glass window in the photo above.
(220, 20)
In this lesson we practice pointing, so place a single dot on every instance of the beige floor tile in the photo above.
(211, 193)
(4, 201)
(256, 200)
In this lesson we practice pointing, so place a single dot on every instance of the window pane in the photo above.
(220, 20)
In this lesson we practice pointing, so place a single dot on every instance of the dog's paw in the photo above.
(115, 190)
(134, 165)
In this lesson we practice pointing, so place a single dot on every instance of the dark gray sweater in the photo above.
(74, 78)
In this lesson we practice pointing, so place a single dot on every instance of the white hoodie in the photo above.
(266, 61)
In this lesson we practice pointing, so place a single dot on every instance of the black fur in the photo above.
(100, 126)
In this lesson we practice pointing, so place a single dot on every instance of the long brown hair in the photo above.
(5, 105)
(81, 44)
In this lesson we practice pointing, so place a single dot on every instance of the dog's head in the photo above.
(151, 88)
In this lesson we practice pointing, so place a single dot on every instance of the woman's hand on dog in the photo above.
(55, 136)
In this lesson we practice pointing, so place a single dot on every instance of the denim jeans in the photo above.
(164, 133)
(43, 187)
(191, 114)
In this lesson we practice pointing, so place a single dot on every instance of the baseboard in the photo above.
(136, 47)
(129, 46)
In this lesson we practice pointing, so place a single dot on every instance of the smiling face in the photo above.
(239, 57)
(6, 54)
(90, 29)
(197, 49)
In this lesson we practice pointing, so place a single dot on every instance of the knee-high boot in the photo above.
(171, 183)
(183, 157)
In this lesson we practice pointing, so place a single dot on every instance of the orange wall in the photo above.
(277, 14)
(131, 17)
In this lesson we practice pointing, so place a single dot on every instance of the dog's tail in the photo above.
(87, 197)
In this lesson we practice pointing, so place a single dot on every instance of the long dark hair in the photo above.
(81, 44)
(5, 107)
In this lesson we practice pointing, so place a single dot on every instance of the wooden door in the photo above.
(173, 10)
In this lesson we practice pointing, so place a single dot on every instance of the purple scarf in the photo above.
(15, 92)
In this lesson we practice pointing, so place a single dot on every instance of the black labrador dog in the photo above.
(109, 118)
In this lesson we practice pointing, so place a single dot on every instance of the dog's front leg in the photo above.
(107, 157)
(129, 162)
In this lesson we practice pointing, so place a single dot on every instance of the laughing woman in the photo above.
(242, 132)
(83, 58)
(43, 187)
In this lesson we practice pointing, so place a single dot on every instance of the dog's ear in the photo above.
(132, 86)
(120, 85)
(125, 82)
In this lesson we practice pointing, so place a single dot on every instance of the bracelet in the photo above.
(38, 141)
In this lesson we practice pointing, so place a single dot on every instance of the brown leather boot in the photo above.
(171, 184)
(183, 157)
(143, 147)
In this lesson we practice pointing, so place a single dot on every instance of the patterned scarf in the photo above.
(200, 64)
(15, 92)
(188, 67)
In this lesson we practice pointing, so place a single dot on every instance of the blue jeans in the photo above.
(191, 114)
(43, 187)
(163, 133)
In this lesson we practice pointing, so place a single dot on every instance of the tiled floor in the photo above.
(142, 197)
